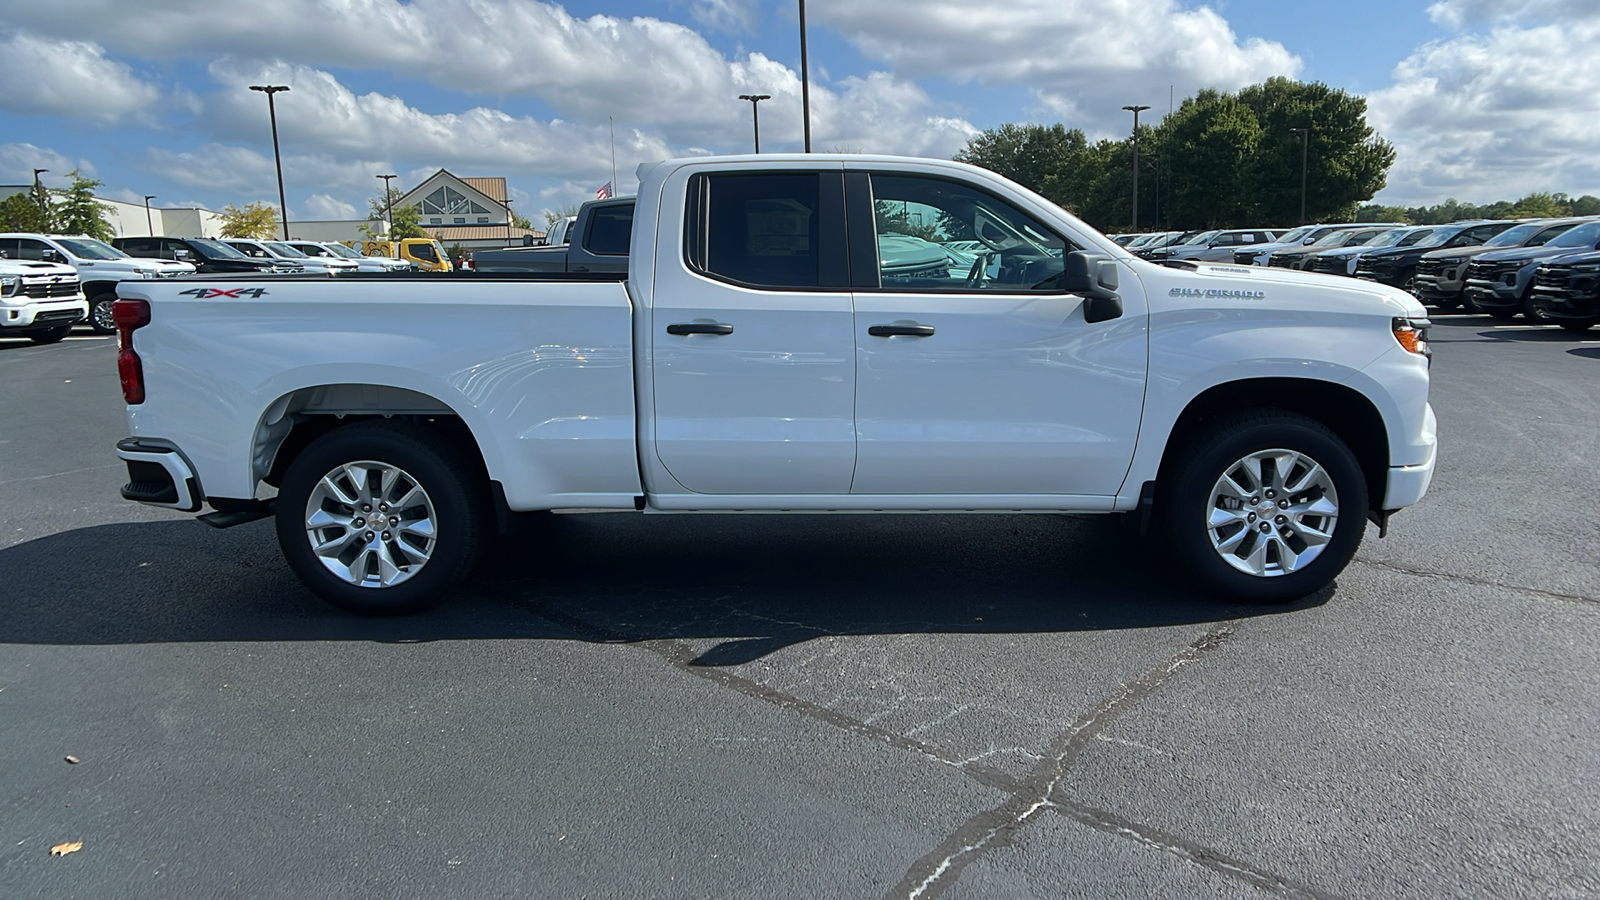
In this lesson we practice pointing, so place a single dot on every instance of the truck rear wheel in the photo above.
(1268, 508)
(382, 517)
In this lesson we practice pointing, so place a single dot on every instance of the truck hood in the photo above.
(26, 267)
(1529, 254)
(1208, 284)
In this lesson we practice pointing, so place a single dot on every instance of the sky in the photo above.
(1483, 99)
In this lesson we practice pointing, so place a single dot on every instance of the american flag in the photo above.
(604, 192)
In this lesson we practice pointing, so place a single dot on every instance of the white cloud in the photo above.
(323, 207)
(1084, 59)
(17, 162)
(1460, 13)
(725, 15)
(68, 78)
(1495, 116)
(238, 170)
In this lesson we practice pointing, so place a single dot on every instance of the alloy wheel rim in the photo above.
(371, 524)
(102, 315)
(1272, 513)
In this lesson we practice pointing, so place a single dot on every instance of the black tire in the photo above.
(451, 481)
(100, 313)
(1502, 315)
(51, 336)
(1577, 327)
(1187, 500)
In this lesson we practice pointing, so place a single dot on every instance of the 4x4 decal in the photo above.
(235, 293)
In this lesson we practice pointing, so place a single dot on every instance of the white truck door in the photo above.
(752, 336)
(976, 374)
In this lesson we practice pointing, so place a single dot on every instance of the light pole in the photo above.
(1136, 110)
(1305, 144)
(148, 223)
(388, 206)
(805, 77)
(38, 191)
(755, 113)
(272, 111)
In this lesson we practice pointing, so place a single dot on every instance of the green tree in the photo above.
(552, 216)
(406, 220)
(1373, 212)
(1026, 154)
(76, 211)
(253, 220)
(19, 212)
(521, 221)
(1541, 206)
(40, 195)
(1220, 160)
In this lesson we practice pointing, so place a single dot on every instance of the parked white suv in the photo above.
(335, 250)
(39, 300)
(99, 265)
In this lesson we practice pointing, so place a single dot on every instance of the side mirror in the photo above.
(50, 255)
(1094, 277)
(184, 255)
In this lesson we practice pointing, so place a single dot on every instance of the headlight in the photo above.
(1412, 334)
(10, 285)
(1588, 269)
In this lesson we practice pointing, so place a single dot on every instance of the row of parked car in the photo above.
(1547, 270)
(50, 282)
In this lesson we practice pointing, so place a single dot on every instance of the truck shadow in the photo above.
(750, 584)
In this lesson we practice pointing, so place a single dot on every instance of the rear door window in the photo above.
(760, 230)
(610, 229)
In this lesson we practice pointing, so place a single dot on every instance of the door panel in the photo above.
(1009, 395)
(987, 380)
(768, 406)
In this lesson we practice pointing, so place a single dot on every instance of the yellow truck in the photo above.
(426, 254)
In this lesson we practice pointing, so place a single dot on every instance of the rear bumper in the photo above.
(159, 475)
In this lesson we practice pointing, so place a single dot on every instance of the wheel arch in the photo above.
(1344, 410)
(296, 419)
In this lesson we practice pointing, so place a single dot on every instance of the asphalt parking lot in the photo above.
(788, 706)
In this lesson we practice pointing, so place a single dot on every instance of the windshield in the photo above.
(282, 249)
(1294, 235)
(1388, 238)
(217, 248)
(1515, 235)
(89, 248)
(338, 249)
(1584, 235)
(1201, 239)
(1437, 238)
(1333, 239)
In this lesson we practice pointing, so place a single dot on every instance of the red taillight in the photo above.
(130, 315)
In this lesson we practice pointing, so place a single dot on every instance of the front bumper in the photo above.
(44, 314)
(1407, 484)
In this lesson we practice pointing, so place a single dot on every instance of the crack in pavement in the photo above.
(1028, 796)
(1468, 579)
(1156, 839)
(931, 875)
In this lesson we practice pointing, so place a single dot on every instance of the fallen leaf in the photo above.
(64, 849)
(72, 759)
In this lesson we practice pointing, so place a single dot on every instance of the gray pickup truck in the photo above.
(598, 242)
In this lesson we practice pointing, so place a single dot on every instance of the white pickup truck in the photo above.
(765, 353)
(39, 300)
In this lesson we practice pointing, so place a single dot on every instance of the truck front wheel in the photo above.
(1267, 508)
(381, 517)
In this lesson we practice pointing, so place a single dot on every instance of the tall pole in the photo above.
(805, 77)
(755, 113)
(388, 207)
(1136, 110)
(614, 185)
(272, 111)
(38, 192)
(148, 224)
(1305, 144)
